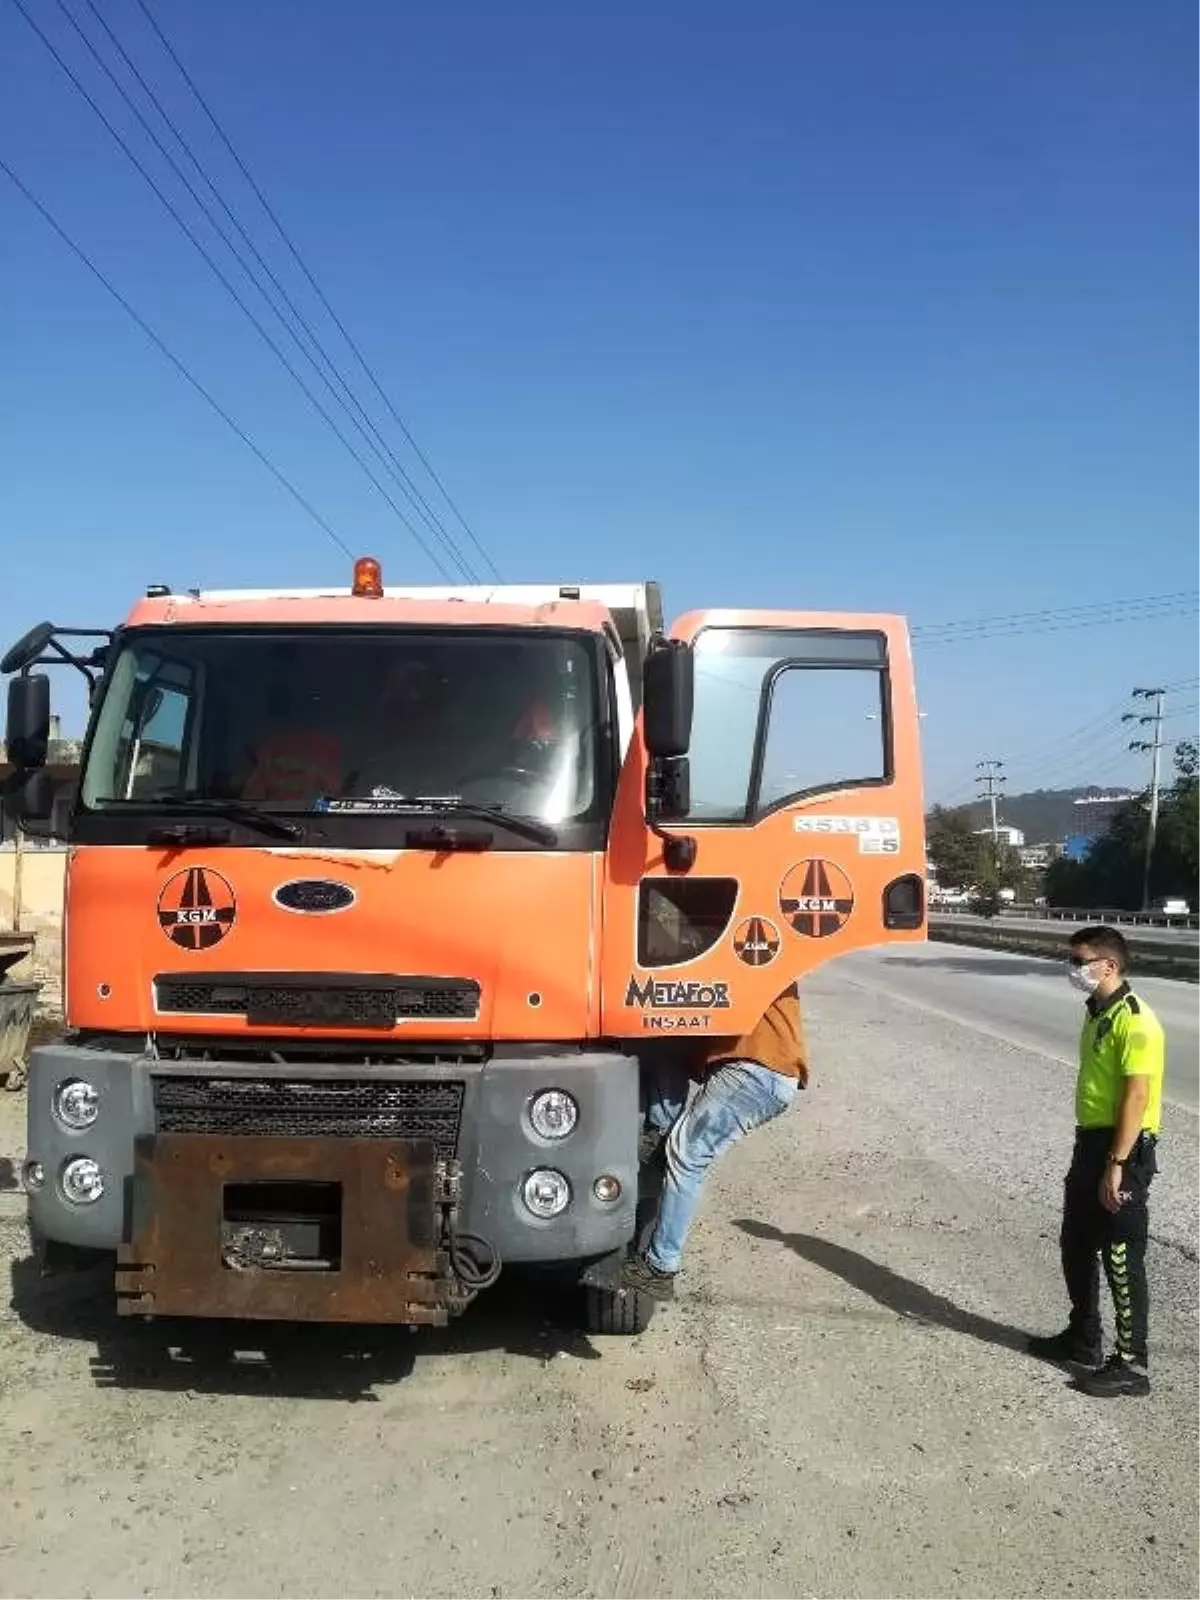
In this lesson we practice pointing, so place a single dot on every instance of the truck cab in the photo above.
(377, 897)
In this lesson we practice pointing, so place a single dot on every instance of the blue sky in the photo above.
(871, 306)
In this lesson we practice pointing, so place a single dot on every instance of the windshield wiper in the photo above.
(231, 810)
(530, 827)
(445, 805)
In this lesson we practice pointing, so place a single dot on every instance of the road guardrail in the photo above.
(1145, 919)
(1159, 957)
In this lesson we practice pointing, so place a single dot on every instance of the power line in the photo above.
(1060, 759)
(1106, 774)
(1055, 612)
(1087, 733)
(1057, 767)
(1101, 763)
(1093, 728)
(179, 366)
(316, 287)
(232, 291)
(322, 360)
(1021, 624)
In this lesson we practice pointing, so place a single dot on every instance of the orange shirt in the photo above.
(777, 1041)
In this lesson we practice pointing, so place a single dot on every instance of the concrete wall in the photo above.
(40, 913)
(41, 883)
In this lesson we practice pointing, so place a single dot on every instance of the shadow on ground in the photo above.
(317, 1361)
(902, 1296)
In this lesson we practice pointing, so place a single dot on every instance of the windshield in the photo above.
(349, 721)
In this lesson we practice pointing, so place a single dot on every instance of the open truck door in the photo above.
(791, 831)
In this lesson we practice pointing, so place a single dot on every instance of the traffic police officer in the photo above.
(1118, 1111)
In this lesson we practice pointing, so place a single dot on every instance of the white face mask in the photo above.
(1083, 979)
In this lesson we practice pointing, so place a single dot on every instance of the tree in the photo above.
(965, 858)
(1181, 824)
(1111, 873)
(1068, 883)
(953, 847)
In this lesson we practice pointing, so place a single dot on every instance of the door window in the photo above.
(780, 715)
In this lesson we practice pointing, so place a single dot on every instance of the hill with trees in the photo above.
(1111, 873)
(1044, 816)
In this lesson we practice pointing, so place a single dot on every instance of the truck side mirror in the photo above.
(27, 735)
(31, 800)
(667, 696)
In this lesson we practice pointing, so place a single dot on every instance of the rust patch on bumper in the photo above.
(391, 1268)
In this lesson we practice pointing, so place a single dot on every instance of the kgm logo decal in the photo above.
(816, 897)
(756, 941)
(197, 908)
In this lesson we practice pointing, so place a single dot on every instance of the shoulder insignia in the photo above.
(1131, 1000)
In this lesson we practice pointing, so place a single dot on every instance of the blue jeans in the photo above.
(735, 1098)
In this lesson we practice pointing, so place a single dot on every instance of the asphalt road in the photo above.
(838, 1404)
(1027, 1001)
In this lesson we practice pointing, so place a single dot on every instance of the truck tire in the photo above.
(614, 1311)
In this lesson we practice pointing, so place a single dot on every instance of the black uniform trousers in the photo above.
(1090, 1233)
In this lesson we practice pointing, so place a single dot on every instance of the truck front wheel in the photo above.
(619, 1311)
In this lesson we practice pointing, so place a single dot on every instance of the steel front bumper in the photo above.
(186, 1259)
(162, 1187)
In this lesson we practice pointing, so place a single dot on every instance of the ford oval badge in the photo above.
(315, 895)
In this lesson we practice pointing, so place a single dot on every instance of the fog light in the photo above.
(33, 1176)
(82, 1181)
(546, 1193)
(607, 1188)
(553, 1114)
(76, 1103)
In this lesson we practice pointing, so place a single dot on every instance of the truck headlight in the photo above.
(76, 1103)
(553, 1114)
(82, 1181)
(546, 1193)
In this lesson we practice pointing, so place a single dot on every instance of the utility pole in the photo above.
(991, 776)
(1155, 746)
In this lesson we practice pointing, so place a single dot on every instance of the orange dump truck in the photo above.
(376, 896)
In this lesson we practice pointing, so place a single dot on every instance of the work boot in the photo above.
(637, 1273)
(1067, 1347)
(1117, 1376)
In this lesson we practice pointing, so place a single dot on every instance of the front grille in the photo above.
(301, 1001)
(286, 1108)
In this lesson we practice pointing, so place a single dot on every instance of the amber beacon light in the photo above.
(368, 578)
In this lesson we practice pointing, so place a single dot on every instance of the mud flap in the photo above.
(370, 1252)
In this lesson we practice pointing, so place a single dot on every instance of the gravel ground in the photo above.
(837, 1405)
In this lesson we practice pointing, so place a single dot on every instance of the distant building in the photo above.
(1037, 857)
(1095, 812)
(1013, 837)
